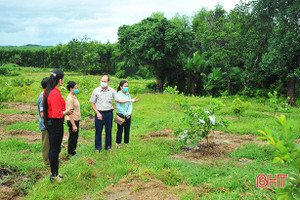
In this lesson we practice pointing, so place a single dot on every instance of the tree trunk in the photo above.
(291, 91)
(228, 80)
(160, 83)
(192, 82)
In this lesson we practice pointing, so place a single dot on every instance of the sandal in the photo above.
(119, 146)
(55, 178)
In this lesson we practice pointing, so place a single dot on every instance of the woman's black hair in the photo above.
(121, 85)
(56, 74)
(44, 82)
(71, 85)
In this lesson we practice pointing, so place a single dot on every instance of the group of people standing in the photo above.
(53, 108)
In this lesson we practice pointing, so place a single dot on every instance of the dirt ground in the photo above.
(220, 144)
(25, 107)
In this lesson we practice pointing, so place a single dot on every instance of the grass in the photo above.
(89, 174)
(253, 151)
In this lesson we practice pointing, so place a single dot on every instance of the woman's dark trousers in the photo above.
(73, 138)
(55, 130)
(126, 129)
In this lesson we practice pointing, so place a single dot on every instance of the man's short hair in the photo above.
(106, 76)
(44, 82)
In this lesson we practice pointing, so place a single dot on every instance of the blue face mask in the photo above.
(75, 91)
(125, 89)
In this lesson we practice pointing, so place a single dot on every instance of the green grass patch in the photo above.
(29, 126)
(253, 151)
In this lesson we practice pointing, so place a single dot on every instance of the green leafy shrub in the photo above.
(85, 85)
(287, 152)
(238, 107)
(171, 90)
(21, 81)
(86, 110)
(5, 92)
(201, 123)
(276, 103)
(151, 86)
(8, 70)
(120, 74)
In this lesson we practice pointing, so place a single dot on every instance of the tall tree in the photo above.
(218, 41)
(250, 44)
(155, 42)
(282, 59)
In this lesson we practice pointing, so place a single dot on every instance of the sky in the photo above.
(50, 22)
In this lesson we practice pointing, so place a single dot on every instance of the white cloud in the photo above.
(50, 22)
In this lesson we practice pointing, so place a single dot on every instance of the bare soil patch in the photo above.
(87, 124)
(220, 144)
(152, 189)
(9, 119)
(25, 107)
(29, 136)
(164, 133)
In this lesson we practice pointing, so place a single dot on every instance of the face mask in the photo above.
(125, 89)
(75, 91)
(103, 85)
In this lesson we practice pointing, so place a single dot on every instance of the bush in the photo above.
(120, 74)
(151, 86)
(277, 103)
(238, 106)
(8, 70)
(201, 122)
(21, 81)
(170, 90)
(5, 92)
(288, 153)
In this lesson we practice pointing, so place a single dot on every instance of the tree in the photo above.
(194, 67)
(282, 59)
(251, 44)
(155, 42)
(82, 55)
(218, 41)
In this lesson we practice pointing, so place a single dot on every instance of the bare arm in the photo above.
(99, 116)
(42, 114)
(71, 118)
(127, 101)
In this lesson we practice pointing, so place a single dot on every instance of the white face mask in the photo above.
(103, 85)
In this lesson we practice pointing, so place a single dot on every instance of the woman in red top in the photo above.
(54, 112)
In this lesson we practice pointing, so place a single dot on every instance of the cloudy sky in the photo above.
(50, 22)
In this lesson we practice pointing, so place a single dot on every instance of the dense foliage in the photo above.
(251, 50)
(287, 152)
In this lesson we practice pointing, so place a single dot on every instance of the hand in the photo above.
(127, 116)
(134, 100)
(75, 129)
(99, 116)
(68, 112)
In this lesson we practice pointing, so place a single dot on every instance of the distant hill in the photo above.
(28, 46)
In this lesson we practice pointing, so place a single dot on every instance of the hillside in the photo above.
(28, 46)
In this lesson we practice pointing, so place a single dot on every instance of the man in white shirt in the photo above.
(102, 103)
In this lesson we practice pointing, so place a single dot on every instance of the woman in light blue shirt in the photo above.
(124, 110)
